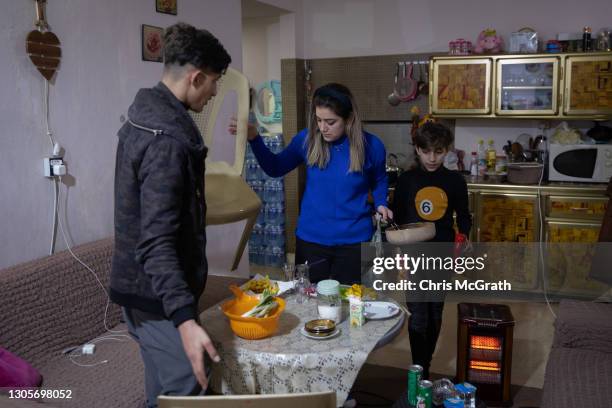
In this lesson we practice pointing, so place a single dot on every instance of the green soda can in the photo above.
(415, 373)
(425, 392)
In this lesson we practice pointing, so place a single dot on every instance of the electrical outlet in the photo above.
(54, 166)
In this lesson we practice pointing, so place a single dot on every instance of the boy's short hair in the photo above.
(185, 44)
(433, 136)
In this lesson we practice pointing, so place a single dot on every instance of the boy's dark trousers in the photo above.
(424, 326)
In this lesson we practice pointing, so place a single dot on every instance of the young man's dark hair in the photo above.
(159, 265)
(185, 44)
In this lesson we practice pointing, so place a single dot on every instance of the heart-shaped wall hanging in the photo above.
(43, 46)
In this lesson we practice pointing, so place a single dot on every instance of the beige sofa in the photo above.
(579, 368)
(54, 303)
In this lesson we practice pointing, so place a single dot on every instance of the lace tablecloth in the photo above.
(289, 362)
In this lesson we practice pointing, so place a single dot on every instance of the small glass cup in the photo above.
(288, 272)
(302, 283)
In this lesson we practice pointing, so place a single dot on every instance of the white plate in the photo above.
(380, 310)
(336, 332)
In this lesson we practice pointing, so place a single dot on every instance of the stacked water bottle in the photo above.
(267, 242)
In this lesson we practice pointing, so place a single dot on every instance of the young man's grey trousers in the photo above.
(167, 368)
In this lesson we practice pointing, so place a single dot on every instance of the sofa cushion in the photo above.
(585, 325)
(54, 302)
(118, 382)
(577, 378)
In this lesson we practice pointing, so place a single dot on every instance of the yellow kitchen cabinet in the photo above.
(588, 85)
(509, 221)
(507, 217)
(546, 86)
(461, 86)
(570, 245)
(570, 214)
(527, 86)
(572, 207)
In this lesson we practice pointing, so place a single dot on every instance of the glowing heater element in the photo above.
(485, 342)
(485, 365)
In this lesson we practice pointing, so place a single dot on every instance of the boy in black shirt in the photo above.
(431, 193)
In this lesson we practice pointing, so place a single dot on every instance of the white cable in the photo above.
(59, 219)
(46, 109)
(54, 224)
(49, 133)
(541, 245)
(78, 351)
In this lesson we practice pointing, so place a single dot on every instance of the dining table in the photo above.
(290, 362)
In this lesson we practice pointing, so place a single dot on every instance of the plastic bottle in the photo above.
(474, 165)
(586, 39)
(482, 158)
(491, 156)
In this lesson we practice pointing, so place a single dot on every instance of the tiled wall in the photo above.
(397, 140)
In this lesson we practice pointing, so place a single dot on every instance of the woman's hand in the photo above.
(251, 129)
(386, 213)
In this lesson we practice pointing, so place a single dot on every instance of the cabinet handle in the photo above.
(560, 82)
(579, 208)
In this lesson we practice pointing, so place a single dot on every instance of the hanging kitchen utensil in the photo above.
(393, 99)
(42, 45)
(392, 169)
(408, 87)
(424, 85)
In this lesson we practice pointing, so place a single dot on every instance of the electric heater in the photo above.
(484, 350)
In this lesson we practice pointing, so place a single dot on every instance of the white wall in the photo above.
(261, 49)
(344, 28)
(376, 27)
(100, 72)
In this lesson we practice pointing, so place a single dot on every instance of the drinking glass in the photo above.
(302, 276)
(288, 272)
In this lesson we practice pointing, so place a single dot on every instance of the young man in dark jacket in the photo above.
(159, 264)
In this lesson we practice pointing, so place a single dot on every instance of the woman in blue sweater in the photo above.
(343, 164)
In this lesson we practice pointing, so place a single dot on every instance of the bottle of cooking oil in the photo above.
(491, 157)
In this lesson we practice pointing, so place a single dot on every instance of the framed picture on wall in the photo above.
(152, 43)
(166, 6)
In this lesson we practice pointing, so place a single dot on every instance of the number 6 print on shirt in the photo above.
(431, 203)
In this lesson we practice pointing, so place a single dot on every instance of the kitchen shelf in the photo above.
(527, 87)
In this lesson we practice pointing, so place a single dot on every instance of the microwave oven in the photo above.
(580, 162)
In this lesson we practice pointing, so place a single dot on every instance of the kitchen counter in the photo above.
(552, 186)
(546, 187)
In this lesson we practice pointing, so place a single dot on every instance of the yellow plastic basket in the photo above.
(251, 328)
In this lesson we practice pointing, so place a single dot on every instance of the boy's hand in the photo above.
(386, 213)
(251, 129)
